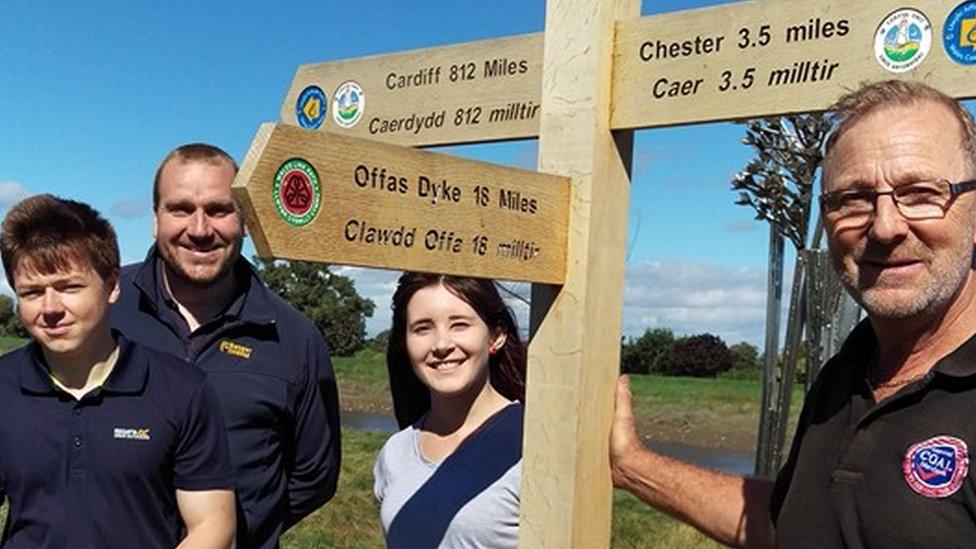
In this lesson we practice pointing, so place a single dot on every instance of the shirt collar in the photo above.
(960, 362)
(128, 375)
(251, 303)
(862, 344)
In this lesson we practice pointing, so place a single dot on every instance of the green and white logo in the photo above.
(297, 193)
(348, 104)
(902, 40)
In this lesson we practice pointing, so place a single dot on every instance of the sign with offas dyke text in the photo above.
(320, 196)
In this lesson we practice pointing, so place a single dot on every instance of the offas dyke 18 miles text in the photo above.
(497, 69)
(434, 190)
(746, 39)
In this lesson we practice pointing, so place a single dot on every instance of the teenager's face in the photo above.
(65, 311)
(448, 343)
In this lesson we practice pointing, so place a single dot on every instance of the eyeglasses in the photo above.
(915, 201)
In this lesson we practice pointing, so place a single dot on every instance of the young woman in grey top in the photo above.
(450, 478)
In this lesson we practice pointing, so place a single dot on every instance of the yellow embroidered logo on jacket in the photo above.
(234, 349)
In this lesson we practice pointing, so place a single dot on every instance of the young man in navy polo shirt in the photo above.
(104, 443)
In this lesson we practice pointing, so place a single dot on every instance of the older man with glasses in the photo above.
(881, 453)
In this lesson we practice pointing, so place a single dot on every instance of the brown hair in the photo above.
(54, 234)
(191, 152)
(874, 96)
(411, 398)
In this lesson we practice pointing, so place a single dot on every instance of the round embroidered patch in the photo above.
(902, 40)
(936, 467)
(310, 107)
(959, 34)
(296, 192)
(348, 104)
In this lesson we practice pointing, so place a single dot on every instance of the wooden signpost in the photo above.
(596, 72)
(330, 198)
(767, 58)
(480, 91)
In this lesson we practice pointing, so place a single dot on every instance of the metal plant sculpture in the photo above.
(778, 185)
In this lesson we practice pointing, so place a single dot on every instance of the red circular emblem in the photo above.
(296, 192)
(936, 467)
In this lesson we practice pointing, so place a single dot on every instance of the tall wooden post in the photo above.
(574, 353)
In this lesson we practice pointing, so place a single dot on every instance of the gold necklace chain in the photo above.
(892, 383)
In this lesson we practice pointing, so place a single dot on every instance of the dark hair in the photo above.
(191, 152)
(411, 398)
(874, 96)
(53, 234)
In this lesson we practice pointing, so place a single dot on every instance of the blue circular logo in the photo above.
(311, 107)
(959, 34)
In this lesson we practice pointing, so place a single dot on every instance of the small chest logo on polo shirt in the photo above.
(936, 467)
(234, 349)
(125, 433)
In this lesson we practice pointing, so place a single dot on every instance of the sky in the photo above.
(95, 94)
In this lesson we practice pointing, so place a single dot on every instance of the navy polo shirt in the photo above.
(102, 471)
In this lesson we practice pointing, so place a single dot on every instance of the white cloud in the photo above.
(379, 285)
(132, 207)
(739, 226)
(691, 298)
(686, 297)
(11, 193)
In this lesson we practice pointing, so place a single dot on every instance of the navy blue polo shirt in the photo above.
(273, 378)
(103, 471)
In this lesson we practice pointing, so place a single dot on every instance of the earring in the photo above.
(492, 350)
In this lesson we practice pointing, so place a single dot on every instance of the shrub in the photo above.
(703, 355)
(643, 355)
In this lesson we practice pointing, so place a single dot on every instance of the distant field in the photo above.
(703, 412)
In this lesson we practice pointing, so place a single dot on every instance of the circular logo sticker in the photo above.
(348, 104)
(310, 107)
(935, 468)
(902, 40)
(296, 192)
(959, 34)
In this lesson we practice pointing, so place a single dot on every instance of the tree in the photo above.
(703, 355)
(379, 342)
(642, 355)
(328, 299)
(10, 323)
(746, 361)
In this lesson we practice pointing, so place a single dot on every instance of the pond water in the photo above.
(738, 463)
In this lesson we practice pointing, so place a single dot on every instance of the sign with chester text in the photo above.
(320, 196)
(766, 58)
(479, 91)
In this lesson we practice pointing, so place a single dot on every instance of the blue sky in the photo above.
(94, 94)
